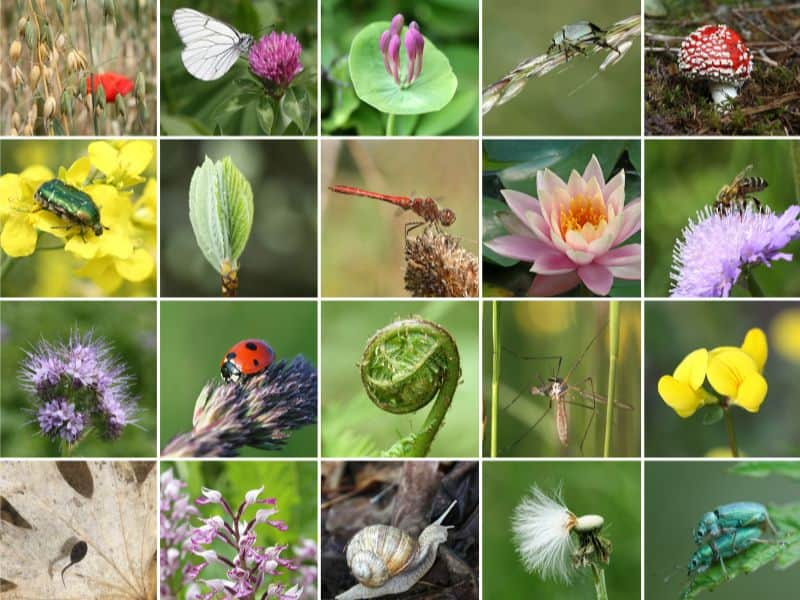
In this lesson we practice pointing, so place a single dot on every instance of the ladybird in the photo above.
(246, 358)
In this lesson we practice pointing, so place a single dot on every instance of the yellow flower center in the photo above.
(583, 214)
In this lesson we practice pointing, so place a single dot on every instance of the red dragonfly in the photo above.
(426, 208)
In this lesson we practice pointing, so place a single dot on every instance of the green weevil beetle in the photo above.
(576, 37)
(71, 204)
(730, 517)
(725, 546)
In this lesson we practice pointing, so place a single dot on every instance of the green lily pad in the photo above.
(432, 91)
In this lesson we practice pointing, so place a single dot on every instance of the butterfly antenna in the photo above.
(585, 350)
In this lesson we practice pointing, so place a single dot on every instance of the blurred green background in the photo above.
(50, 273)
(676, 496)
(513, 164)
(561, 329)
(280, 259)
(129, 327)
(292, 484)
(363, 239)
(190, 106)
(674, 329)
(452, 25)
(683, 176)
(609, 105)
(611, 489)
(352, 424)
(196, 335)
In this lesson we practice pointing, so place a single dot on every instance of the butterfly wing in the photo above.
(212, 47)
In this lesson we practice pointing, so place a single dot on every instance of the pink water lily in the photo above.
(573, 232)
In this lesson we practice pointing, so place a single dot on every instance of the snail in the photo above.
(386, 560)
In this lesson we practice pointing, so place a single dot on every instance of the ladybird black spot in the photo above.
(255, 362)
(230, 355)
(251, 346)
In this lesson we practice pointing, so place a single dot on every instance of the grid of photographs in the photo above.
(342, 299)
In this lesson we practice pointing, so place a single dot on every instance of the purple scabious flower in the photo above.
(77, 383)
(249, 566)
(716, 249)
(276, 58)
(175, 512)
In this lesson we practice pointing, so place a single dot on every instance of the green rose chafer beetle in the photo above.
(70, 204)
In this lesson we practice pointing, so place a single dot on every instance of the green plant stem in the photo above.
(794, 147)
(753, 287)
(599, 577)
(91, 66)
(495, 378)
(731, 433)
(390, 125)
(6, 267)
(613, 355)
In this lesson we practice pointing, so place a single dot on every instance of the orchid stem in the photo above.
(390, 125)
(753, 287)
(599, 577)
(495, 377)
(613, 355)
(731, 433)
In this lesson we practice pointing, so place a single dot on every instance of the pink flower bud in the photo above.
(394, 56)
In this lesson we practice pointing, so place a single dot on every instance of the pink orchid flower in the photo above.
(573, 232)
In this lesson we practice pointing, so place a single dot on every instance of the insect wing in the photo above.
(597, 398)
(212, 47)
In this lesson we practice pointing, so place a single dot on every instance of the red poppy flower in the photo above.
(113, 84)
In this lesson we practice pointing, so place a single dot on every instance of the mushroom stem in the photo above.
(723, 93)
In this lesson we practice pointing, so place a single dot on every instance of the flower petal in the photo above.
(553, 263)
(727, 370)
(631, 221)
(594, 170)
(138, 267)
(692, 369)
(553, 285)
(679, 396)
(624, 262)
(752, 392)
(597, 278)
(18, 237)
(518, 247)
(755, 346)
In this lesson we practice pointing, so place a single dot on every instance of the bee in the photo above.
(736, 196)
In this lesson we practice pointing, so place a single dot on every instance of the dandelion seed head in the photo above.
(541, 527)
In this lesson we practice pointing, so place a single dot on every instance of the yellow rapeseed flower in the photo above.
(122, 163)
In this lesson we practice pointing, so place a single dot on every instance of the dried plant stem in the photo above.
(500, 92)
(613, 355)
(599, 578)
(495, 377)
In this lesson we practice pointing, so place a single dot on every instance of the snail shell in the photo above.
(379, 552)
(386, 560)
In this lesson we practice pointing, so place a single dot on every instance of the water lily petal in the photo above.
(553, 285)
(616, 182)
(755, 346)
(553, 263)
(518, 247)
(752, 392)
(597, 278)
(580, 258)
(594, 170)
(576, 186)
(679, 396)
(18, 237)
(623, 261)
(631, 221)
(520, 203)
(727, 370)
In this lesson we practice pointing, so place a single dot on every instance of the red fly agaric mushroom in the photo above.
(716, 53)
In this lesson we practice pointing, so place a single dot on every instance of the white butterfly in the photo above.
(212, 47)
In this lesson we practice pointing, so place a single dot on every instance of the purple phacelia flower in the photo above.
(717, 248)
(75, 384)
(390, 42)
(276, 58)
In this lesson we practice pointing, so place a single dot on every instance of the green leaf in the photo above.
(178, 125)
(290, 108)
(432, 91)
(748, 561)
(265, 115)
(713, 415)
(221, 211)
(764, 468)
(451, 115)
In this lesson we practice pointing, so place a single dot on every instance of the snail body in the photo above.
(386, 560)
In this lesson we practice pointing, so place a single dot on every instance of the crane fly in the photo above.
(425, 208)
(560, 392)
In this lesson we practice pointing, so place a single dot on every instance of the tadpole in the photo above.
(76, 555)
